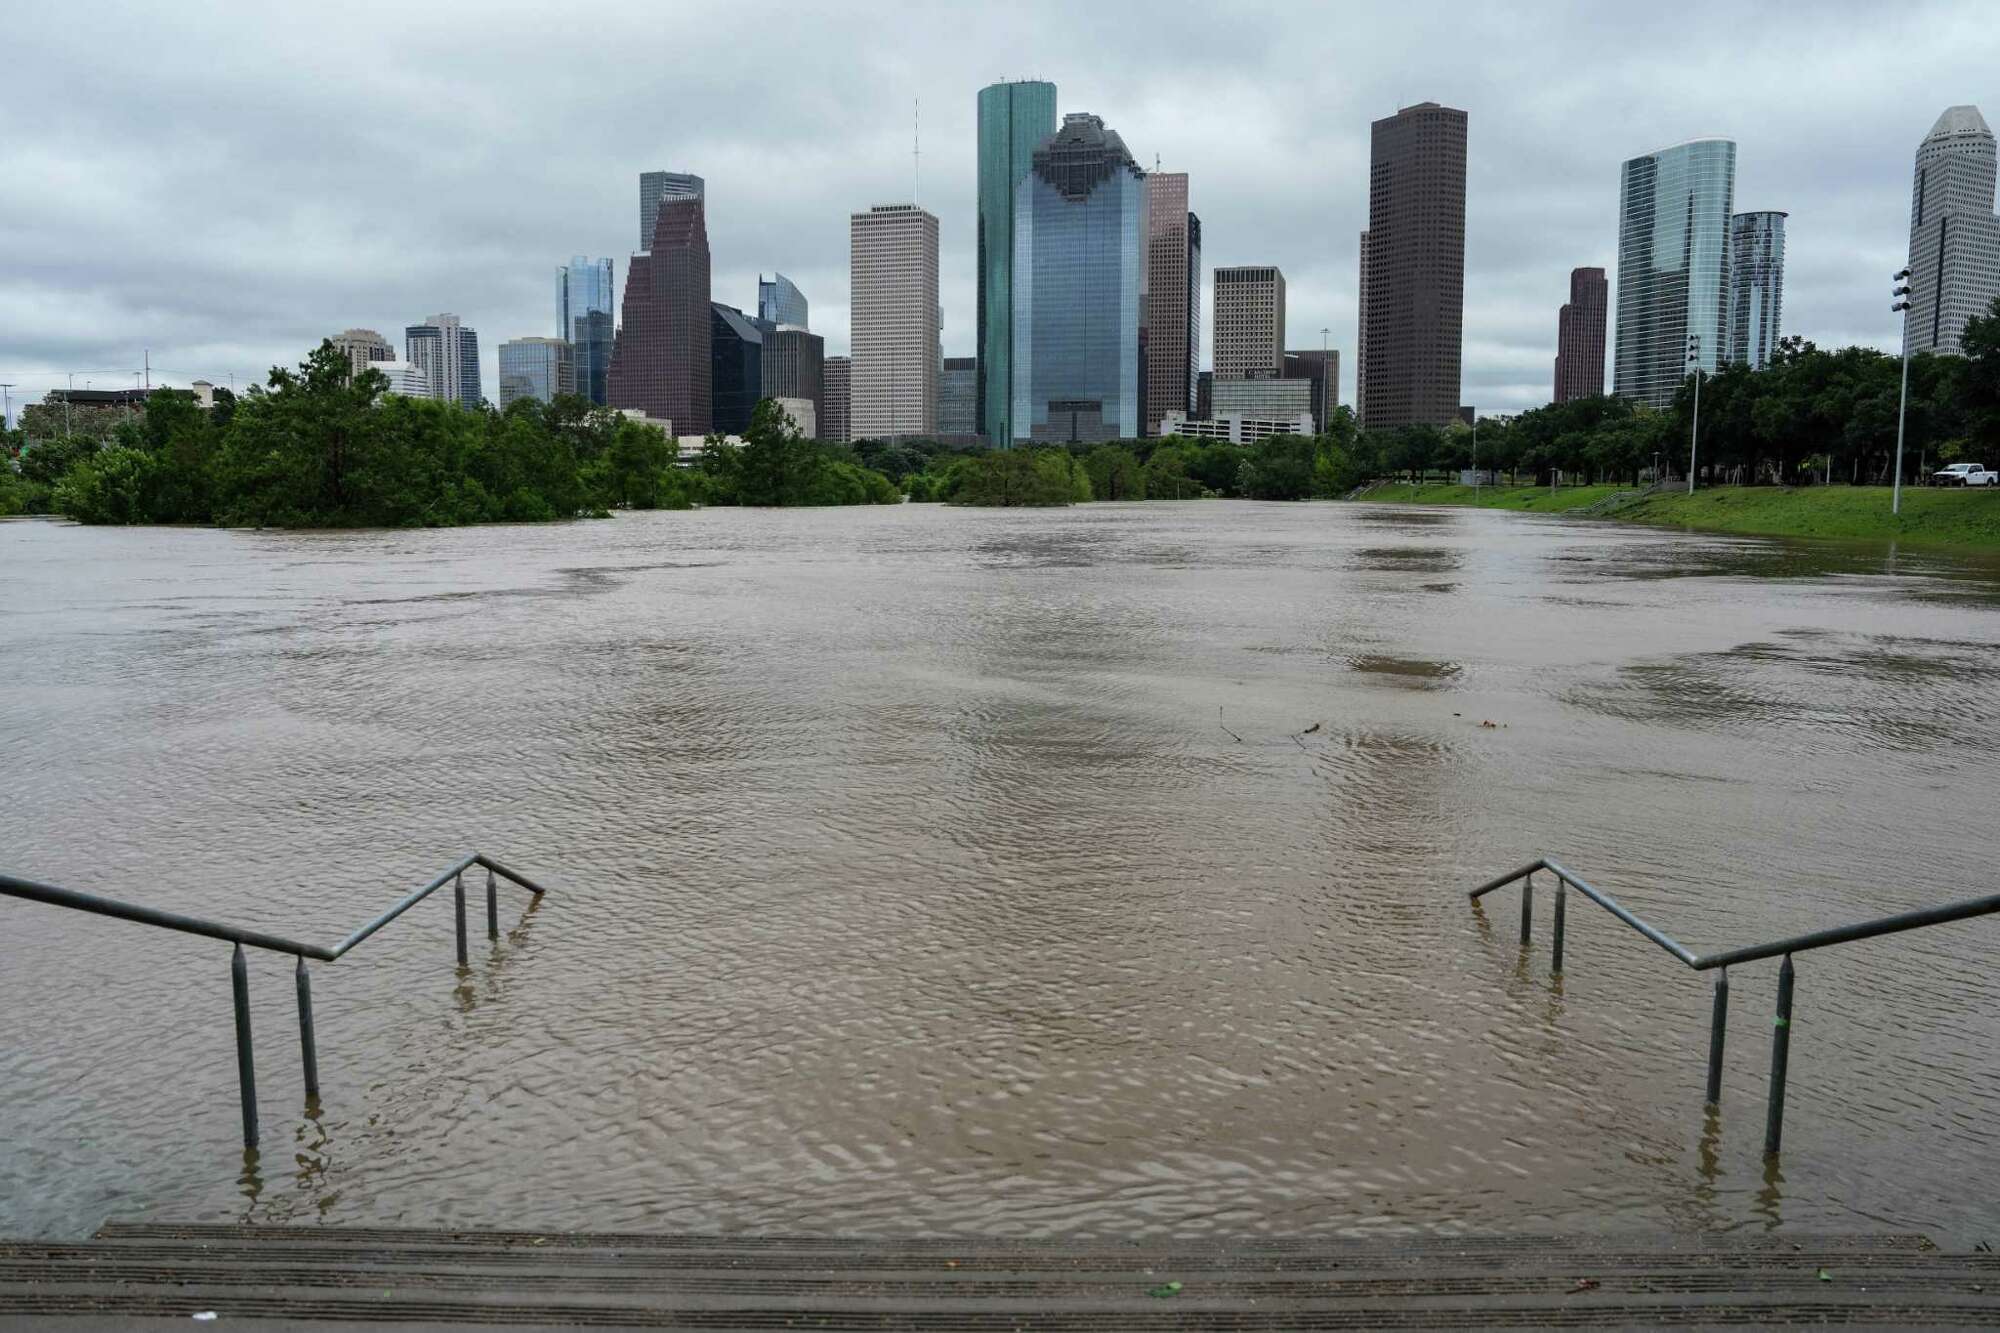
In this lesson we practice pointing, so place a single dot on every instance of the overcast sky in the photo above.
(227, 183)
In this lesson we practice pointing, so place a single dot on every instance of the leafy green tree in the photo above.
(1115, 473)
(1019, 477)
(1280, 468)
(1167, 475)
(111, 486)
(1979, 382)
(47, 461)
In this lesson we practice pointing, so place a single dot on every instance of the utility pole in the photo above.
(1902, 294)
(6, 408)
(1694, 431)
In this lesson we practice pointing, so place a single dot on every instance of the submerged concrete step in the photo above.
(311, 1277)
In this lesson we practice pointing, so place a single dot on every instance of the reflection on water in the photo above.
(1096, 871)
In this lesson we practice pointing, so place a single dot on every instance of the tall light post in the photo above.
(1902, 293)
(6, 408)
(1694, 431)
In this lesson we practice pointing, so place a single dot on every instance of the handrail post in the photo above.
(1527, 908)
(1562, 893)
(458, 896)
(492, 907)
(1718, 1029)
(246, 1065)
(308, 1047)
(1781, 1050)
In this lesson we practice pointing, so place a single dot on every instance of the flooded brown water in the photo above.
(908, 874)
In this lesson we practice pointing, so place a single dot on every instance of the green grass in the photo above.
(1965, 519)
(1931, 516)
(1537, 498)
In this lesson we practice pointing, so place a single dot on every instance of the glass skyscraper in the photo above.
(538, 368)
(1014, 120)
(779, 301)
(1673, 266)
(584, 297)
(736, 361)
(1756, 286)
(1078, 250)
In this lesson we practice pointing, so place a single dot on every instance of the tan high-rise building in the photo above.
(1413, 317)
(1249, 323)
(894, 321)
(361, 347)
(1172, 300)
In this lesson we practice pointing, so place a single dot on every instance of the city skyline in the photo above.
(221, 286)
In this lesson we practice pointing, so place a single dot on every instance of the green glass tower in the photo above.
(1014, 120)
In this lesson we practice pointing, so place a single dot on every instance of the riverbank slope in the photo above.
(1965, 519)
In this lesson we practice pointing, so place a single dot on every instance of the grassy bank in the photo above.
(1537, 498)
(1966, 519)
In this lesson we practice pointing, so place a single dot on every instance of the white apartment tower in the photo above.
(894, 320)
(448, 354)
(1954, 235)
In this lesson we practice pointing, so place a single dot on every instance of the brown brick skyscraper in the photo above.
(660, 362)
(1414, 319)
(1580, 336)
(1172, 326)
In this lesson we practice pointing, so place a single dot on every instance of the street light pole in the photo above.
(1694, 431)
(1902, 294)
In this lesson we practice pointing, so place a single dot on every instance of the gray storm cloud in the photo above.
(224, 184)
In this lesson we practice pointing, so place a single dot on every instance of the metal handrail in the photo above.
(1721, 961)
(13, 887)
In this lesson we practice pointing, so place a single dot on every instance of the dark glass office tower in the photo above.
(736, 361)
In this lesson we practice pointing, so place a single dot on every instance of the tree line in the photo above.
(320, 446)
(1810, 416)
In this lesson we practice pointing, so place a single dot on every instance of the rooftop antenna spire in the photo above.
(916, 148)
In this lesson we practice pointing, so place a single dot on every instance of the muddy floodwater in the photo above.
(1098, 871)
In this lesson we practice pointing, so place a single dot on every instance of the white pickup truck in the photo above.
(1965, 474)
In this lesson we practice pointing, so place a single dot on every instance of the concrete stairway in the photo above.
(150, 1276)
